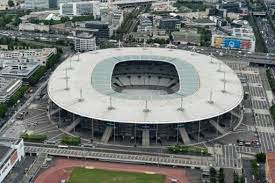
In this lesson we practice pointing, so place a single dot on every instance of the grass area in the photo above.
(82, 175)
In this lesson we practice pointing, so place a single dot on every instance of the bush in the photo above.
(182, 149)
(255, 169)
(71, 140)
(221, 176)
(34, 137)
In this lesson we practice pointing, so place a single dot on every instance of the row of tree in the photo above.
(34, 79)
(216, 177)
(88, 17)
(13, 100)
(34, 137)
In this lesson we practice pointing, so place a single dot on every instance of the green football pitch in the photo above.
(82, 175)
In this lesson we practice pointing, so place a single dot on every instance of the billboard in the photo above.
(231, 42)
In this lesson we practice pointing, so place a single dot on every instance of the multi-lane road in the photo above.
(260, 58)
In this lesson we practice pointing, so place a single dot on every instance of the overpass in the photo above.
(129, 157)
(132, 3)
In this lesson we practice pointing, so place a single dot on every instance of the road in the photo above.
(11, 121)
(261, 58)
(23, 35)
(267, 33)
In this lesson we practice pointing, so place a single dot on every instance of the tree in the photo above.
(212, 175)
(17, 21)
(11, 3)
(221, 176)
(3, 110)
(260, 157)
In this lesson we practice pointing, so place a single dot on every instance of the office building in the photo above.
(8, 87)
(85, 42)
(102, 30)
(37, 4)
(169, 23)
(41, 56)
(20, 70)
(77, 8)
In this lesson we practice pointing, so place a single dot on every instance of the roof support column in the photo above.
(157, 134)
(114, 133)
(177, 134)
(92, 129)
(199, 131)
(218, 120)
(59, 118)
(135, 133)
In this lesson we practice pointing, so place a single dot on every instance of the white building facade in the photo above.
(12, 151)
(85, 42)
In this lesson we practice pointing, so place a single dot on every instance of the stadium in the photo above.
(145, 96)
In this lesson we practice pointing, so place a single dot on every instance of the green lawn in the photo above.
(82, 175)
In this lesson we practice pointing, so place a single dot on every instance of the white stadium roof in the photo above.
(198, 76)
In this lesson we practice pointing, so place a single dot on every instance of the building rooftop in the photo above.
(85, 35)
(21, 70)
(39, 54)
(7, 84)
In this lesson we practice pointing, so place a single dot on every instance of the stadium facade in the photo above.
(145, 96)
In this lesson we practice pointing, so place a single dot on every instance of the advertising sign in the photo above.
(232, 43)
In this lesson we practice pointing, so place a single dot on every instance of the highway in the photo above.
(257, 57)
